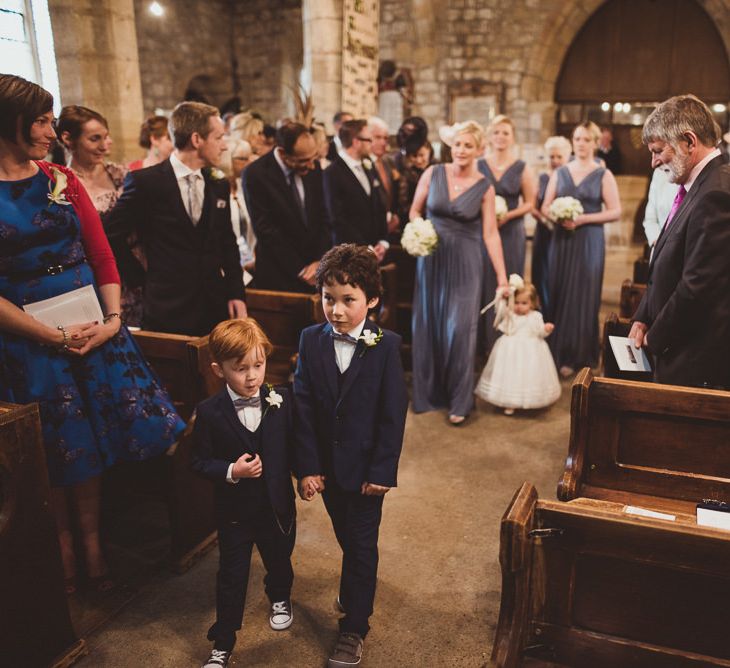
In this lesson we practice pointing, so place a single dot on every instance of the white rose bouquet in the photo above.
(565, 209)
(500, 207)
(419, 237)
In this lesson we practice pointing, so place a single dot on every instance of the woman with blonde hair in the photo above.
(557, 151)
(448, 295)
(514, 181)
(577, 252)
(249, 127)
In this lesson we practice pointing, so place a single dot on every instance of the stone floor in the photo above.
(439, 580)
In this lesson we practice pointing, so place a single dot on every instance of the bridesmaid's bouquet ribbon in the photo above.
(514, 283)
(565, 209)
(419, 237)
(500, 207)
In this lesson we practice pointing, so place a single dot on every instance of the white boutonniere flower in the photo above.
(56, 188)
(370, 339)
(274, 398)
(216, 174)
(366, 163)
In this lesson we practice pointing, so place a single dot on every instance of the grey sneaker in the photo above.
(218, 659)
(347, 651)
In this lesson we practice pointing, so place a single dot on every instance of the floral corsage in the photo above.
(370, 339)
(215, 174)
(57, 188)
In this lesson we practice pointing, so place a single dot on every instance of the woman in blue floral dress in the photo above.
(99, 401)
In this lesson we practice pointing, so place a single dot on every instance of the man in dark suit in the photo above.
(335, 146)
(284, 196)
(352, 192)
(387, 174)
(180, 211)
(684, 316)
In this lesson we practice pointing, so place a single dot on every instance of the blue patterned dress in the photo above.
(575, 276)
(105, 406)
(447, 299)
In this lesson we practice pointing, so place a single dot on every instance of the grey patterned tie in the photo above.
(252, 402)
(194, 203)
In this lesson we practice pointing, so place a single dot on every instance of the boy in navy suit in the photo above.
(351, 402)
(242, 439)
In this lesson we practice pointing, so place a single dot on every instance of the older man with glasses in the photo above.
(283, 191)
(352, 190)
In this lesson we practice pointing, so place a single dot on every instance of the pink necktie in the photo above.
(678, 198)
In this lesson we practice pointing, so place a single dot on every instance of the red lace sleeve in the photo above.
(98, 252)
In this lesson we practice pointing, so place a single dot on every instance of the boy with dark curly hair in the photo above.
(351, 400)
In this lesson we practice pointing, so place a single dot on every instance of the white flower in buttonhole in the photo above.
(500, 207)
(56, 189)
(274, 398)
(370, 339)
(367, 163)
(419, 237)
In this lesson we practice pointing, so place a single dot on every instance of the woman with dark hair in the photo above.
(99, 401)
(85, 135)
(154, 136)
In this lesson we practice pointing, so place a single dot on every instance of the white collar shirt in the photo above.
(358, 170)
(344, 351)
(699, 167)
(181, 171)
(288, 173)
(249, 417)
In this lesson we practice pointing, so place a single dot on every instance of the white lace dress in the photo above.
(520, 372)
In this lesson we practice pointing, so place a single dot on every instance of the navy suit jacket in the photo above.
(219, 439)
(192, 270)
(355, 433)
(687, 301)
(356, 217)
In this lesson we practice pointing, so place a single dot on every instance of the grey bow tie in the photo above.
(253, 402)
(343, 337)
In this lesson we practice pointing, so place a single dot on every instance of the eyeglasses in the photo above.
(240, 157)
(367, 139)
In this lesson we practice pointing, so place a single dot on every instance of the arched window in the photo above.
(26, 44)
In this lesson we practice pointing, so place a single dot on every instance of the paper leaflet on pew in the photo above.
(713, 514)
(628, 356)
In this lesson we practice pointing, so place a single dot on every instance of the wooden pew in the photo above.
(183, 365)
(387, 314)
(35, 623)
(616, 326)
(663, 447)
(283, 315)
(631, 294)
(406, 280)
(586, 585)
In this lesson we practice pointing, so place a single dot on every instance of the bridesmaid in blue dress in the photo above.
(558, 151)
(577, 252)
(448, 295)
(514, 181)
(99, 401)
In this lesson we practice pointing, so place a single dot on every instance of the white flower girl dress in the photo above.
(520, 372)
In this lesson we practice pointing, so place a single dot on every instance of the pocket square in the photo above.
(221, 204)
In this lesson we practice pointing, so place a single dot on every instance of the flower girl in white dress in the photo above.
(520, 372)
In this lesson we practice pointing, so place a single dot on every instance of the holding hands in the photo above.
(309, 486)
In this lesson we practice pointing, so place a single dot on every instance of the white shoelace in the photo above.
(279, 608)
(218, 656)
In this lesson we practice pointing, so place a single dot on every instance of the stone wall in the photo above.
(519, 44)
(252, 49)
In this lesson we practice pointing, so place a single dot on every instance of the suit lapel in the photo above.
(174, 196)
(355, 180)
(327, 355)
(685, 208)
(279, 177)
(229, 413)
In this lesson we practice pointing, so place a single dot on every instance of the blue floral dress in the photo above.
(105, 406)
